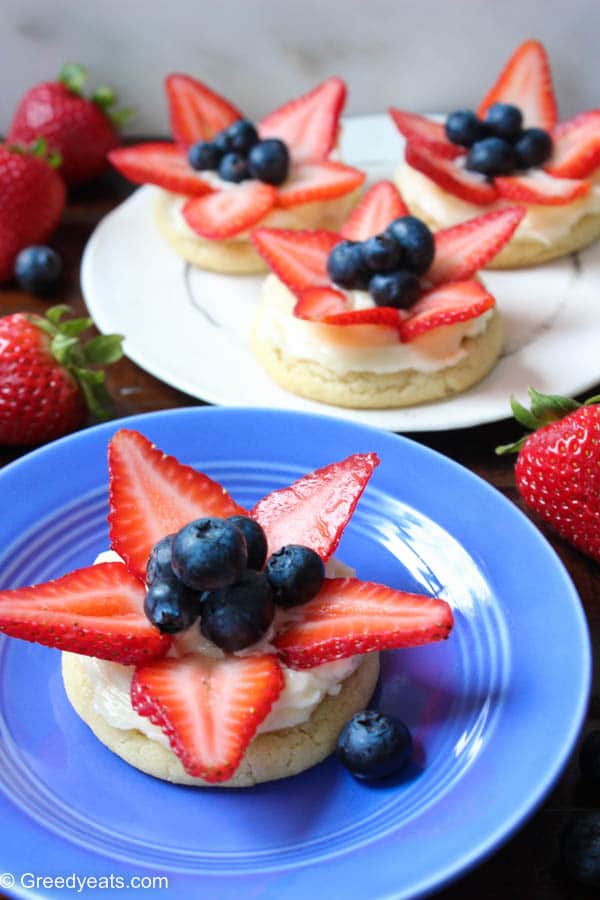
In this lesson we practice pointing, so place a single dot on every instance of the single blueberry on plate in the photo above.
(159, 561)
(256, 540)
(492, 156)
(398, 289)
(346, 266)
(170, 606)
(269, 161)
(38, 269)
(209, 554)
(504, 120)
(204, 155)
(373, 745)
(464, 128)
(295, 574)
(416, 241)
(237, 616)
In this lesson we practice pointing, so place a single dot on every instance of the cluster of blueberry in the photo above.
(498, 145)
(388, 265)
(212, 569)
(237, 153)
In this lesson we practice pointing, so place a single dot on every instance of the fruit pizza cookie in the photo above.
(512, 150)
(216, 645)
(224, 175)
(383, 314)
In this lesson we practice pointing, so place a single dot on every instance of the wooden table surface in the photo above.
(528, 865)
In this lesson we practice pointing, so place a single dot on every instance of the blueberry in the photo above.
(372, 745)
(204, 155)
(589, 758)
(464, 128)
(398, 289)
(209, 554)
(269, 161)
(504, 120)
(242, 135)
(382, 252)
(159, 561)
(256, 540)
(234, 167)
(533, 147)
(580, 848)
(416, 241)
(170, 606)
(222, 142)
(38, 269)
(346, 265)
(492, 156)
(295, 574)
(239, 615)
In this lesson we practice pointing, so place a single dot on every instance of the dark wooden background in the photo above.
(528, 865)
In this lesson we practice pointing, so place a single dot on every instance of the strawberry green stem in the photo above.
(73, 76)
(545, 408)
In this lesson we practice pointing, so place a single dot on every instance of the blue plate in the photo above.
(495, 710)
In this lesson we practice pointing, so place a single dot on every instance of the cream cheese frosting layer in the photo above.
(327, 214)
(543, 224)
(358, 348)
(302, 692)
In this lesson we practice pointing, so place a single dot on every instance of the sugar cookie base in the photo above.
(238, 257)
(522, 252)
(371, 390)
(272, 755)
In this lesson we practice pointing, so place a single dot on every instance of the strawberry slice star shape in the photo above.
(450, 294)
(219, 210)
(210, 708)
(525, 82)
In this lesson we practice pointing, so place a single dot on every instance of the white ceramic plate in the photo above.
(189, 327)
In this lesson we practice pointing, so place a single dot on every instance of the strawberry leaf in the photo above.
(74, 327)
(104, 97)
(548, 408)
(73, 76)
(103, 349)
(55, 313)
(96, 395)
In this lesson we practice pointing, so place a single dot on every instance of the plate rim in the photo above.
(523, 810)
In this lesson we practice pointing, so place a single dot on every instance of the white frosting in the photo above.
(328, 214)
(302, 692)
(358, 348)
(545, 224)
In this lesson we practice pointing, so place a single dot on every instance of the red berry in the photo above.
(32, 199)
(526, 82)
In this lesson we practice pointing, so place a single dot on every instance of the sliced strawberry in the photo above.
(526, 82)
(97, 611)
(448, 175)
(152, 495)
(376, 315)
(380, 205)
(196, 112)
(208, 708)
(462, 250)
(349, 616)
(576, 146)
(314, 510)
(540, 188)
(161, 164)
(317, 302)
(425, 132)
(446, 305)
(226, 213)
(318, 181)
(308, 125)
(298, 258)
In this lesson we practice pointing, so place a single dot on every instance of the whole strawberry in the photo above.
(82, 130)
(558, 467)
(47, 385)
(32, 199)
